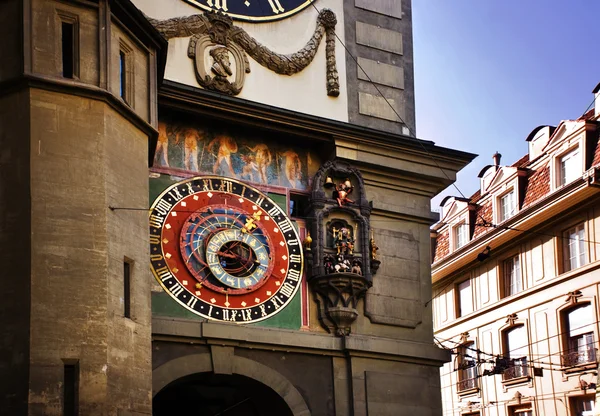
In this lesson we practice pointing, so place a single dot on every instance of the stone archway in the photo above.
(186, 367)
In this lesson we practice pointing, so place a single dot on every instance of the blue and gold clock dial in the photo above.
(224, 250)
(253, 10)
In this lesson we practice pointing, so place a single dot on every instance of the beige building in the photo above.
(516, 273)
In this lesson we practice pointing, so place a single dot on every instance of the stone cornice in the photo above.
(188, 331)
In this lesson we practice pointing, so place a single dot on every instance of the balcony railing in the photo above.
(516, 370)
(467, 384)
(581, 356)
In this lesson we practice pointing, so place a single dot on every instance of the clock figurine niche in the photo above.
(224, 250)
(253, 10)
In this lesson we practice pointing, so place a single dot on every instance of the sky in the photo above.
(488, 72)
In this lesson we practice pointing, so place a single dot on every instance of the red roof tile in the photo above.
(596, 160)
(484, 214)
(442, 247)
(521, 162)
(538, 186)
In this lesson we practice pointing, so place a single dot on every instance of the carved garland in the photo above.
(221, 31)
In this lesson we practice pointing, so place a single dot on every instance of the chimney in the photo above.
(497, 156)
(596, 93)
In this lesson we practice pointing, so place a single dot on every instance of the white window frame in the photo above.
(464, 305)
(460, 235)
(503, 214)
(512, 276)
(574, 247)
(574, 157)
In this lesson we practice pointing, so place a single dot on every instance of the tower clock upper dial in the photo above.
(253, 10)
(224, 250)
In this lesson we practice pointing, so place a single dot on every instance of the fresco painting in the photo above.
(198, 149)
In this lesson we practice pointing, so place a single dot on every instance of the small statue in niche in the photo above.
(343, 265)
(373, 247)
(343, 241)
(221, 66)
(356, 267)
(342, 191)
(329, 267)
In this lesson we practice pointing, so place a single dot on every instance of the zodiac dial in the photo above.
(224, 250)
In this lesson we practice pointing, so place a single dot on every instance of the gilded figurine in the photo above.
(343, 241)
(342, 191)
(373, 247)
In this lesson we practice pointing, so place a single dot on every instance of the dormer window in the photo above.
(508, 205)
(570, 167)
(461, 235)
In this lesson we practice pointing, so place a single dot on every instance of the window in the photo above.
(126, 73)
(467, 376)
(580, 345)
(507, 206)
(512, 276)
(520, 410)
(69, 38)
(582, 406)
(461, 235)
(515, 347)
(570, 167)
(71, 388)
(574, 254)
(465, 298)
(298, 205)
(123, 75)
(127, 289)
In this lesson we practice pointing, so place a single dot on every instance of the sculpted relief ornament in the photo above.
(215, 41)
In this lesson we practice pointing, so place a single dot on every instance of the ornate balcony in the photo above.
(516, 370)
(581, 356)
(467, 384)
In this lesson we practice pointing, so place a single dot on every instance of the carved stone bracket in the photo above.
(337, 296)
(221, 31)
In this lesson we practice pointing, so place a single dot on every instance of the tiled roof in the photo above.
(588, 115)
(538, 186)
(484, 214)
(442, 247)
(596, 160)
(521, 162)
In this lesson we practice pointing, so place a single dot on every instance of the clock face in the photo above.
(224, 250)
(253, 10)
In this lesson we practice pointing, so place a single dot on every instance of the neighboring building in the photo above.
(516, 274)
(160, 173)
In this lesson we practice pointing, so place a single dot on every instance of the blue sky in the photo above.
(487, 72)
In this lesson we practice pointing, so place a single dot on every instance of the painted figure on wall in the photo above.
(190, 146)
(262, 159)
(226, 146)
(196, 148)
(161, 155)
(292, 166)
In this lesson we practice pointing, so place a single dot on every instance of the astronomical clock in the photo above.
(253, 10)
(224, 250)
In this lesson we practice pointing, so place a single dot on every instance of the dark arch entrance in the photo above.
(209, 394)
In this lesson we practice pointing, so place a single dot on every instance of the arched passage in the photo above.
(251, 388)
(218, 395)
